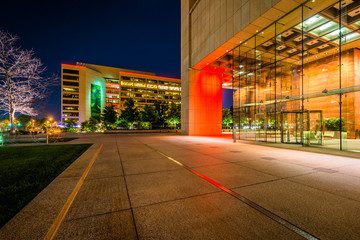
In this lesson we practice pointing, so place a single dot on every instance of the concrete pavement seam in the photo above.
(178, 199)
(248, 202)
(96, 215)
(323, 190)
(174, 169)
(127, 190)
(97, 178)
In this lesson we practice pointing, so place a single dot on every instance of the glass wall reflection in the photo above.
(297, 81)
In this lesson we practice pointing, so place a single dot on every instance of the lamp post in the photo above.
(51, 124)
(47, 133)
(32, 125)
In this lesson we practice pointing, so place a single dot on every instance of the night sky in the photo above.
(134, 34)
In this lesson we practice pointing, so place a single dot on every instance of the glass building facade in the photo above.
(298, 80)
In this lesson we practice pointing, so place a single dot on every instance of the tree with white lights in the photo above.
(22, 85)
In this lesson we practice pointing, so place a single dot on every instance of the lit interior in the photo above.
(288, 87)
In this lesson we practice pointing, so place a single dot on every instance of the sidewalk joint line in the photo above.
(59, 219)
(97, 215)
(248, 202)
(178, 199)
(126, 187)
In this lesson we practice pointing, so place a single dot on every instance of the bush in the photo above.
(333, 124)
(91, 125)
(122, 123)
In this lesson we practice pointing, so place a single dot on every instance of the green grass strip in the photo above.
(26, 170)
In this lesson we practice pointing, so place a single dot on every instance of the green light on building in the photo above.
(95, 101)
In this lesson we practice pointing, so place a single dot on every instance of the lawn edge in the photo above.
(35, 219)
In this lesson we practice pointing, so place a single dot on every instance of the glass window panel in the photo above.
(321, 81)
(348, 121)
(247, 89)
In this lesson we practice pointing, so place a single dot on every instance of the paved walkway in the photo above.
(164, 186)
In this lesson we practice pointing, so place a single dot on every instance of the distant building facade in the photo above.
(87, 88)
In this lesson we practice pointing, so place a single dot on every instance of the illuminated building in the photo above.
(87, 88)
(293, 67)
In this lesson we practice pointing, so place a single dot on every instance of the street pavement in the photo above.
(167, 186)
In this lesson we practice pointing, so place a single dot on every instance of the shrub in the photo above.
(333, 124)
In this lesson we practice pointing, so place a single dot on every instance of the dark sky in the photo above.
(133, 34)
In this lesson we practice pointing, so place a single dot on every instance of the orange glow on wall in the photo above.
(70, 65)
(205, 103)
(150, 76)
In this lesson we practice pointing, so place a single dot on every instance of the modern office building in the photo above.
(87, 88)
(293, 65)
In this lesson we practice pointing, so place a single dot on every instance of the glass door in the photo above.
(260, 121)
(314, 133)
(291, 127)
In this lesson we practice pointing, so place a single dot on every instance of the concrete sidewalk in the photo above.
(143, 186)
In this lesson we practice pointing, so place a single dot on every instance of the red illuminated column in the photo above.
(205, 103)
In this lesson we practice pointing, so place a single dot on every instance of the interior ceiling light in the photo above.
(354, 12)
(312, 20)
(335, 34)
(287, 33)
(267, 44)
(356, 24)
(292, 50)
(327, 25)
(351, 37)
(323, 46)
(279, 48)
(298, 39)
(312, 42)
(343, 3)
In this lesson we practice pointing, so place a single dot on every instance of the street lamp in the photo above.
(47, 133)
(32, 125)
(51, 123)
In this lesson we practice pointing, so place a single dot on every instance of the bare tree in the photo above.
(22, 84)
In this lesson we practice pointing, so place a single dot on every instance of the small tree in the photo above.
(173, 115)
(4, 124)
(90, 125)
(24, 121)
(160, 111)
(43, 123)
(148, 115)
(109, 116)
(226, 117)
(70, 124)
(130, 113)
(21, 82)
